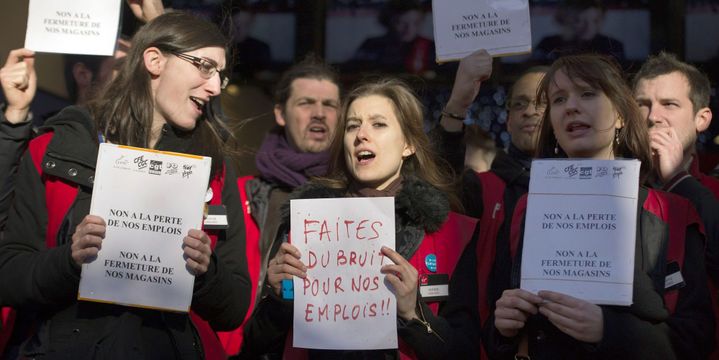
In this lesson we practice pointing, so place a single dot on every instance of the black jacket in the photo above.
(13, 141)
(43, 283)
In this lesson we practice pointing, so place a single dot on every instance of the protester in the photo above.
(473, 69)
(580, 23)
(380, 150)
(590, 114)
(19, 84)
(85, 75)
(673, 97)
(160, 99)
(307, 98)
(402, 48)
(510, 168)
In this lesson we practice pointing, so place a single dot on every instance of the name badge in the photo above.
(674, 279)
(216, 218)
(434, 287)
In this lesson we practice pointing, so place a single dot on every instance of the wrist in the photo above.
(457, 107)
(16, 116)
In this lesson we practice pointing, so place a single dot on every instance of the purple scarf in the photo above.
(278, 162)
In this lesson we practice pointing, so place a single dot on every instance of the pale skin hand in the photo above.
(285, 265)
(19, 83)
(403, 277)
(513, 309)
(473, 69)
(146, 10)
(577, 318)
(668, 151)
(197, 248)
(87, 239)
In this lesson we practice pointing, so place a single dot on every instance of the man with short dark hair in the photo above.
(307, 100)
(673, 96)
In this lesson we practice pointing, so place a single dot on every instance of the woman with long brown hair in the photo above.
(591, 114)
(160, 100)
(379, 149)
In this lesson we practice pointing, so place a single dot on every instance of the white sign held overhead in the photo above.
(137, 192)
(502, 27)
(87, 27)
(580, 229)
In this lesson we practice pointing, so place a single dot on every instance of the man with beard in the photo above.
(307, 99)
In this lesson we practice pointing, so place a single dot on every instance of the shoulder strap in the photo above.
(493, 188)
(679, 214)
(515, 229)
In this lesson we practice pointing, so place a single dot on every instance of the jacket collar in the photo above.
(510, 169)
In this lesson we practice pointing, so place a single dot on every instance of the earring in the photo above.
(616, 136)
(556, 148)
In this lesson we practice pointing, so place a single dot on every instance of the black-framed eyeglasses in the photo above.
(207, 68)
(521, 103)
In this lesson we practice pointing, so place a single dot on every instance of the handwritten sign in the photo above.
(501, 27)
(73, 26)
(344, 303)
(141, 261)
(580, 229)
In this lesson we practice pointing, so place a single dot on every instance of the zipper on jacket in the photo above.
(423, 321)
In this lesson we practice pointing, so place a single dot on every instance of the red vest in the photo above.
(232, 340)
(60, 195)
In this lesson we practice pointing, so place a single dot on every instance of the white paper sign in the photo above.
(73, 26)
(580, 229)
(149, 200)
(463, 26)
(344, 303)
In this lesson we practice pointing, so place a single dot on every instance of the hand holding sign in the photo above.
(19, 83)
(197, 251)
(285, 265)
(577, 318)
(513, 309)
(87, 239)
(473, 69)
(403, 277)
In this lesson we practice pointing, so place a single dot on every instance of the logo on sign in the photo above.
(571, 170)
(602, 171)
(187, 171)
(585, 172)
(141, 162)
(618, 171)
(172, 168)
(122, 163)
(155, 167)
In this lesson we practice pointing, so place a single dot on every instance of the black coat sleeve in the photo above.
(449, 147)
(222, 295)
(30, 274)
(455, 332)
(471, 194)
(266, 330)
(13, 142)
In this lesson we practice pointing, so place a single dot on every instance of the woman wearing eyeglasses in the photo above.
(160, 99)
